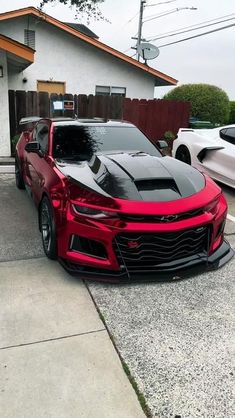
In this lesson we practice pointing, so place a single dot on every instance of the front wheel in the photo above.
(183, 154)
(48, 230)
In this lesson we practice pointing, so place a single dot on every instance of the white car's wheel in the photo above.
(183, 154)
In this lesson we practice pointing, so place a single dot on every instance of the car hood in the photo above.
(135, 176)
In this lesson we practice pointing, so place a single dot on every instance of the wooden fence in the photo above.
(153, 117)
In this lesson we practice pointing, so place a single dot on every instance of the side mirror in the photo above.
(162, 144)
(34, 147)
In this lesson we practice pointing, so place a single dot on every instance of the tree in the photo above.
(232, 112)
(208, 102)
(88, 7)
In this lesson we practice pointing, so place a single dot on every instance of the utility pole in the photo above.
(142, 3)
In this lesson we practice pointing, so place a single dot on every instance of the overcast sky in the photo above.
(207, 59)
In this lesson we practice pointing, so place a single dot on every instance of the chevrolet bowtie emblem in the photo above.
(169, 218)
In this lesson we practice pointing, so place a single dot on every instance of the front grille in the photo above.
(161, 218)
(147, 252)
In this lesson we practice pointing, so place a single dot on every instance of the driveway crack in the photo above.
(52, 339)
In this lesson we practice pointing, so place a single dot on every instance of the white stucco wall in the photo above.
(62, 57)
(5, 150)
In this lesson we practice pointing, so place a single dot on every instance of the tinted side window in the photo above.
(228, 135)
(42, 136)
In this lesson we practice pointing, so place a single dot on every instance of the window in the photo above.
(80, 142)
(42, 136)
(29, 38)
(110, 91)
(228, 134)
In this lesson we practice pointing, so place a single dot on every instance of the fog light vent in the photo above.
(220, 229)
(88, 246)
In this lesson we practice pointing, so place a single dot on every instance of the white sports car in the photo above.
(209, 150)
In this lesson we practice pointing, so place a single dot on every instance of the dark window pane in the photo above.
(29, 38)
(228, 135)
(42, 136)
(83, 141)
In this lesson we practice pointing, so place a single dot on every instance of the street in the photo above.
(177, 338)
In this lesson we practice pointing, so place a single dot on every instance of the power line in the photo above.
(190, 30)
(197, 36)
(177, 9)
(162, 2)
(152, 38)
(131, 19)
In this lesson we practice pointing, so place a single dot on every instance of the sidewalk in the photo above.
(7, 160)
(7, 165)
(56, 357)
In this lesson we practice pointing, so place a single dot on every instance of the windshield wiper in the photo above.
(79, 157)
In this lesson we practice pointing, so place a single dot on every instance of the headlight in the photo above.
(212, 207)
(93, 213)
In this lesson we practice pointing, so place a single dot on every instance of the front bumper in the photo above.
(205, 248)
(181, 269)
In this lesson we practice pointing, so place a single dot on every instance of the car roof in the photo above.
(90, 122)
(66, 121)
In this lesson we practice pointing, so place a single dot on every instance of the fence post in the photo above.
(12, 113)
(44, 104)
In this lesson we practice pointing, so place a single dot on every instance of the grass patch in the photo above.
(139, 394)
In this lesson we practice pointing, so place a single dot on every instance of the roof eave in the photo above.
(165, 79)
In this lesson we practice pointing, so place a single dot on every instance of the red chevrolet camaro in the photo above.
(110, 206)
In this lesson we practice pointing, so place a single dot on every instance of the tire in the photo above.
(18, 176)
(183, 154)
(47, 228)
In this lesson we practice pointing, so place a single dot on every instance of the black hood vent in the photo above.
(157, 188)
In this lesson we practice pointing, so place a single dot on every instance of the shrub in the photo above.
(169, 136)
(232, 112)
(14, 141)
(209, 103)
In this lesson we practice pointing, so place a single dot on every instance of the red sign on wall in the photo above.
(68, 105)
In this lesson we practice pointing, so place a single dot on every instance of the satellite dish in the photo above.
(147, 51)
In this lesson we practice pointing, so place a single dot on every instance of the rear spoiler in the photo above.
(27, 124)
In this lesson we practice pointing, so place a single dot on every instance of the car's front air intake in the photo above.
(147, 252)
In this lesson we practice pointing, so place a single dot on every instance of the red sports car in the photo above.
(110, 206)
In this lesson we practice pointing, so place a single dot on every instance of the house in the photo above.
(68, 58)
(14, 58)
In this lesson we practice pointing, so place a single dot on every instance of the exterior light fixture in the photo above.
(1, 71)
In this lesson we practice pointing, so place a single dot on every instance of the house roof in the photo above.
(82, 28)
(161, 79)
(18, 55)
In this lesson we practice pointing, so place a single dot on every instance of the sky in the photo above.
(207, 59)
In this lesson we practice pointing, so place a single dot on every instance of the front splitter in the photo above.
(192, 267)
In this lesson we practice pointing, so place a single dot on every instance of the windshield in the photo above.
(80, 142)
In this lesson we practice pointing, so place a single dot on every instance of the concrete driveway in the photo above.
(56, 357)
(177, 338)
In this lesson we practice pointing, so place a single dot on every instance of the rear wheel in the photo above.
(183, 154)
(47, 227)
(18, 176)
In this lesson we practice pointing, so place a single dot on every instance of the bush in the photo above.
(232, 112)
(14, 141)
(208, 102)
(169, 136)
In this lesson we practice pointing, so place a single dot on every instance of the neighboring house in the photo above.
(70, 59)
